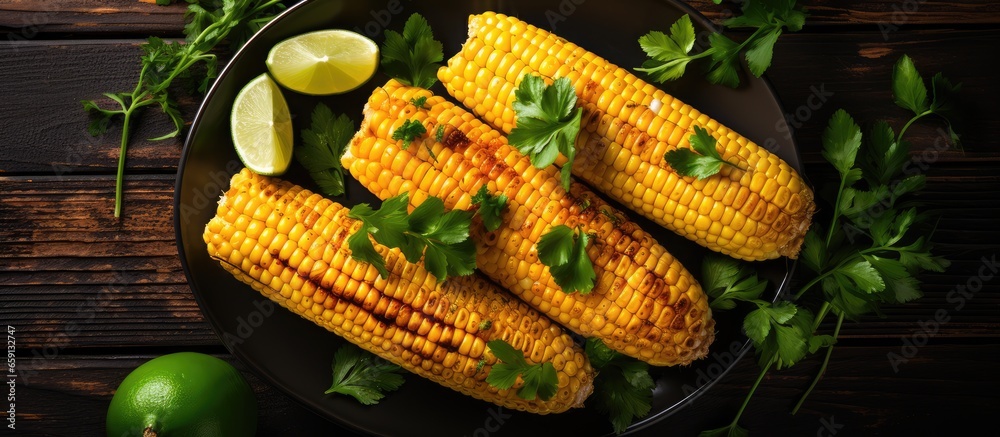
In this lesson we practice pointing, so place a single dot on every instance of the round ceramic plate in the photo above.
(295, 355)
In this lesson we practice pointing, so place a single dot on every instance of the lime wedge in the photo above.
(323, 62)
(262, 127)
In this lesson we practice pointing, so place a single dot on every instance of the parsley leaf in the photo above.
(548, 122)
(322, 146)
(540, 380)
(702, 162)
(490, 207)
(910, 92)
(412, 58)
(726, 282)
(362, 375)
(441, 238)
(668, 56)
(419, 101)
(623, 388)
(409, 131)
(164, 63)
(565, 253)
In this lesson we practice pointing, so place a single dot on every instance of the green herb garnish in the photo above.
(548, 122)
(870, 253)
(623, 388)
(412, 58)
(669, 55)
(490, 207)
(409, 131)
(163, 63)
(565, 252)
(322, 146)
(540, 380)
(362, 375)
(419, 101)
(441, 238)
(701, 162)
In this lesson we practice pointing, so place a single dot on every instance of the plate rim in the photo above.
(269, 377)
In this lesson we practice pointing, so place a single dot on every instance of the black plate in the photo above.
(295, 355)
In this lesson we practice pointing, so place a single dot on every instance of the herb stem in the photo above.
(912, 120)
(826, 360)
(753, 388)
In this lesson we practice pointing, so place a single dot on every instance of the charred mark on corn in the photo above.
(259, 234)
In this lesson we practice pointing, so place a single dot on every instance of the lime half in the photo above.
(262, 127)
(323, 62)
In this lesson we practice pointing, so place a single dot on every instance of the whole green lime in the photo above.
(183, 394)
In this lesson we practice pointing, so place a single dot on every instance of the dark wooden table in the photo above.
(91, 297)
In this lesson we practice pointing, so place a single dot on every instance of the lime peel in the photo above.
(324, 62)
(261, 126)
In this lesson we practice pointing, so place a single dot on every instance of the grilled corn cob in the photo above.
(645, 303)
(291, 245)
(628, 125)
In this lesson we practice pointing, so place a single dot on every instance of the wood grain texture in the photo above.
(51, 77)
(860, 392)
(93, 297)
(27, 19)
(64, 254)
(73, 276)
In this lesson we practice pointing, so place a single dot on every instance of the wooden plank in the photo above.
(861, 391)
(28, 19)
(48, 79)
(63, 254)
(858, 70)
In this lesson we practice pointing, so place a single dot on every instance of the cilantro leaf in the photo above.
(910, 92)
(419, 101)
(908, 87)
(540, 380)
(167, 65)
(412, 58)
(724, 69)
(322, 146)
(490, 207)
(362, 375)
(565, 253)
(548, 122)
(668, 55)
(442, 238)
(409, 131)
(623, 388)
(841, 142)
(863, 275)
(780, 332)
(726, 282)
(383, 225)
(704, 161)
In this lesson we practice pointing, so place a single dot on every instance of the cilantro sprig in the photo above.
(441, 238)
(548, 122)
(540, 380)
(413, 56)
(490, 207)
(362, 375)
(873, 248)
(669, 54)
(322, 146)
(564, 251)
(409, 131)
(623, 389)
(702, 160)
(163, 63)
